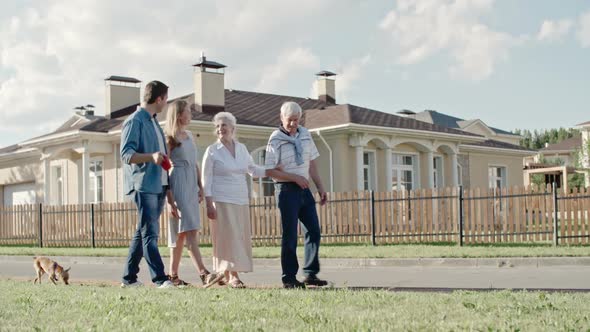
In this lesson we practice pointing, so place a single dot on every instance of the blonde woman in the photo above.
(185, 193)
(225, 164)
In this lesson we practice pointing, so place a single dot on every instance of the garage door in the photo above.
(22, 193)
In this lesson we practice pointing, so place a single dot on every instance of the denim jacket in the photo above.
(138, 136)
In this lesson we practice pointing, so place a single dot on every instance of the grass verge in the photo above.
(99, 308)
(344, 251)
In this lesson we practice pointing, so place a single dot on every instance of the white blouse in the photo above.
(224, 177)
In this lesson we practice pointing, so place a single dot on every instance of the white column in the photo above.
(388, 170)
(85, 175)
(359, 167)
(47, 180)
(430, 169)
(454, 172)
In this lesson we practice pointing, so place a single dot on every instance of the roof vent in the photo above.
(87, 110)
(405, 112)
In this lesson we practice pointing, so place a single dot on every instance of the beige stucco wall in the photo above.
(209, 88)
(23, 171)
(479, 163)
(110, 183)
(72, 174)
(120, 96)
(478, 129)
(344, 163)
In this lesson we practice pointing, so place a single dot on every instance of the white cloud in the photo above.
(347, 75)
(583, 33)
(54, 55)
(554, 30)
(421, 29)
(289, 61)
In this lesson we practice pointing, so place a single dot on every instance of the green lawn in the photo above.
(25, 306)
(345, 251)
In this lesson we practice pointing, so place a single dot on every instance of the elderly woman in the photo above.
(225, 164)
(185, 193)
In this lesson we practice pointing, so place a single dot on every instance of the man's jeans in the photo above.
(298, 204)
(145, 240)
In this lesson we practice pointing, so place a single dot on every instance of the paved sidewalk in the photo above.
(427, 273)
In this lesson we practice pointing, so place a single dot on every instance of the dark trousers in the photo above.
(298, 204)
(145, 240)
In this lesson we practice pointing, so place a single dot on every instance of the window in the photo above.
(403, 172)
(497, 176)
(57, 185)
(95, 185)
(437, 163)
(261, 186)
(369, 171)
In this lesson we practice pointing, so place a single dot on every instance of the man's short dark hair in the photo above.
(153, 90)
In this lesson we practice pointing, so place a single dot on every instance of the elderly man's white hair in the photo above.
(290, 108)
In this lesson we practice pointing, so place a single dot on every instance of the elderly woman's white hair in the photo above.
(290, 108)
(228, 118)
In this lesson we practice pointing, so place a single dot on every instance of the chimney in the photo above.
(209, 86)
(121, 92)
(326, 87)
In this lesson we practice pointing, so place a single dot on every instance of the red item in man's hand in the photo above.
(166, 165)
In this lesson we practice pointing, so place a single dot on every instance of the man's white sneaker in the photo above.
(167, 284)
(137, 283)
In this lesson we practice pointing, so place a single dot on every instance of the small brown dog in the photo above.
(44, 265)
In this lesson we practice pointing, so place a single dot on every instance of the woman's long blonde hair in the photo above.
(171, 128)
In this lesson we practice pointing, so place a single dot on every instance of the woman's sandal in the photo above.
(214, 279)
(236, 283)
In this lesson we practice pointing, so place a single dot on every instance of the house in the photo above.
(493, 162)
(563, 160)
(585, 151)
(561, 153)
(361, 148)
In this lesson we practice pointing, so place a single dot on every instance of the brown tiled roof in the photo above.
(262, 109)
(76, 122)
(102, 125)
(10, 148)
(569, 144)
(346, 113)
(490, 143)
(583, 124)
(249, 108)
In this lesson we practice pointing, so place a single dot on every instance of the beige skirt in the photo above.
(231, 237)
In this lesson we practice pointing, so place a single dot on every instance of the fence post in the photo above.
(555, 215)
(92, 225)
(460, 216)
(41, 225)
(373, 218)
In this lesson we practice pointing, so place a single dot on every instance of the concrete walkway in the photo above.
(555, 273)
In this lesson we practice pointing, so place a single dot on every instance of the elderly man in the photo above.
(292, 147)
(143, 149)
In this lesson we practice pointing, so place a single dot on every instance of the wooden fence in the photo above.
(510, 215)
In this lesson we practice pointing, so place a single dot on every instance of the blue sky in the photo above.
(513, 64)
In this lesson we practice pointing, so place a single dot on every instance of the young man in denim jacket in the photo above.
(143, 150)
